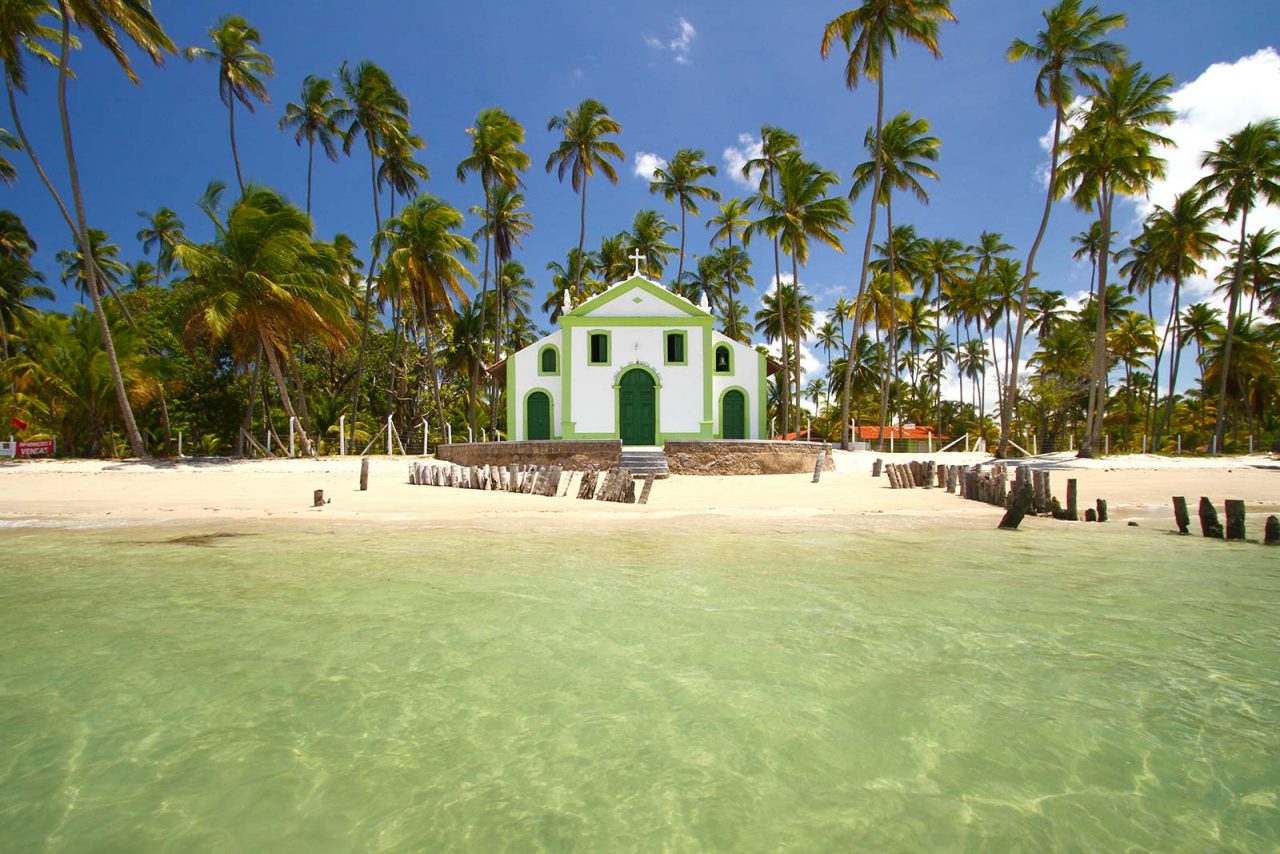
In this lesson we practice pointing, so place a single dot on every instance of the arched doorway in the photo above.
(637, 408)
(733, 415)
(537, 422)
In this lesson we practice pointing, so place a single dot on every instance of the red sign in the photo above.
(18, 423)
(35, 449)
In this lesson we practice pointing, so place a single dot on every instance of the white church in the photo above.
(640, 364)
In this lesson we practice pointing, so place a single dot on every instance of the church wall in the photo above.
(593, 407)
(748, 375)
(523, 376)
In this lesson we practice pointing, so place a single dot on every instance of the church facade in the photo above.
(640, 364)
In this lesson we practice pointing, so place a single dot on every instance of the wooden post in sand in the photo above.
(1235, 519)
(1023, 495)
(953, 478)
(364, 474)
(1073, 509)
(876, 466)
(1271, 533)
(1180, 514)
(1209, 524)
(817, 467)
(648, 486)
(1102, 510)
(317, 498)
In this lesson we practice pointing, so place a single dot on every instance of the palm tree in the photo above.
(1072, 43)
(582, 150)
(1202, 323)
(427, 249)
(241, 70)
(1112, 153)
(19, 31)
(263, 282)
(948, 263)
(8, 174)
(377, 109)
(1261, 271)
(566, 279)
(1047, 309)
(106, 261)
(1243, 169)
(867, 32)
(802, 211)
(497, 159)
(1089, 242)
(775, 142)
(677, 181)
(794, 324)
(728, 224)
(163, 231)
(1180, 237)
(649, 230)
(900, 152)
(19, 281)
(314, 119)
(1133, 338)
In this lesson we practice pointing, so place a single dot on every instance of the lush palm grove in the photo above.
(269, 324)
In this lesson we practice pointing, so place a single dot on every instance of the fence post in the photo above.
(268, 440)
(1214, 444)
(424, 437)
(390, 447)
(1251, 443)
(179, 444)
(1144, 444)
(342, 436)
(1035, 446)
(1179, 444)
(291, 420)
(448, 429)
(1106, 443)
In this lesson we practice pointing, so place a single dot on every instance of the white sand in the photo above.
(91, 493)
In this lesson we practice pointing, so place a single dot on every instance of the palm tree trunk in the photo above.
(680, 269)
(1097, 392)
(246, 423)
(795, 339)
(429, 340)
(862, 279)
(311, 150)
(1162, 424)
(35, 161)
(368, 293)
(138, 447)
(582, 240)
(235, 155)
(1220, 429)
(484, 293)
(1011, 393)
(892, 373)
(283, 388)
(784, 392)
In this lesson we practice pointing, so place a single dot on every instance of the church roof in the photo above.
(631, 285)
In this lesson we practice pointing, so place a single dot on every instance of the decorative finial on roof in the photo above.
(565, 303)
(638, 257)
(704, 303)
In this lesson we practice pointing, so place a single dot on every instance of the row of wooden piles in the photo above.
(614, 484)
(1032, 493)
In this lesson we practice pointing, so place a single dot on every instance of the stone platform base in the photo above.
(730, 456)
(601, 453)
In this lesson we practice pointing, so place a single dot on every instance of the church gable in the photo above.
(637, 297)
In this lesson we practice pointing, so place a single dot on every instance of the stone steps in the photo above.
(643, 462)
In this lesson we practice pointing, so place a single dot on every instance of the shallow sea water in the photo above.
(318, 690)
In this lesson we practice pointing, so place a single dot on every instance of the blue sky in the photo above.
(695, 74)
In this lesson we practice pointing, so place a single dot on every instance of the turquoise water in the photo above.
(310, 690)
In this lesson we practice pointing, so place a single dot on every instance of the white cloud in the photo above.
(1222, 99)
(736, 156)
(646, 163)
(680, 46)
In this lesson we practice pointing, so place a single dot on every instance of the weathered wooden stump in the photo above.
(1021, 501)
(1235, 519)
(893, 478)
(317, 498)
(953, 478)
(1102, 510)
(1209, 524)
(1271, 533)
(648, 486)
(817, 467)
(1090, 515)
(1073, 509)
(629, 488)
(1180, 514)
(940, 472)
(876, 466)
(587, 488)
(364, 474)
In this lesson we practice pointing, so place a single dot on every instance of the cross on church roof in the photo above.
(637, 256)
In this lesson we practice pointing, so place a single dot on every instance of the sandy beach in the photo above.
(79, 493)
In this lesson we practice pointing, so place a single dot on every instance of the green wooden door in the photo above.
(637, 409)
(538, 416)
(733, 415)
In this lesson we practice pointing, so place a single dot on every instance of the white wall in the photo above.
(594, 398)
(527, 379)
(746, 375)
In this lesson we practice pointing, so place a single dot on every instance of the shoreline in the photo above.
(79, 494)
